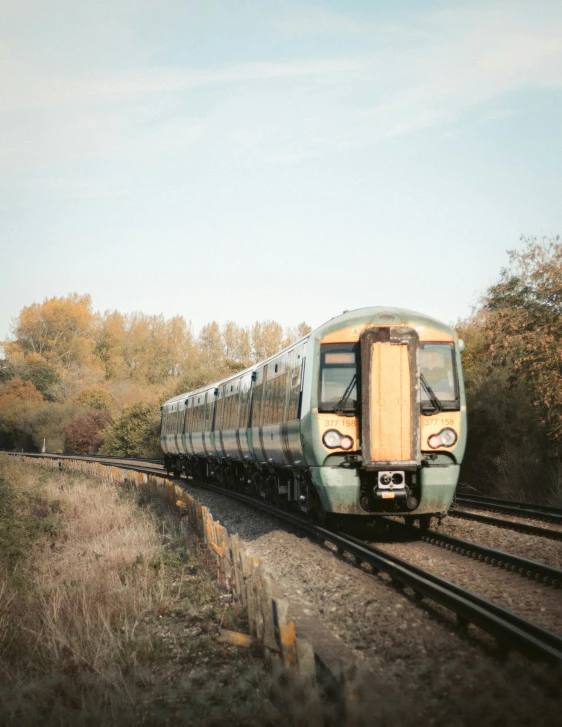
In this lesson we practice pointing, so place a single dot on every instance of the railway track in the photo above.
(511, 507)
(496, 558)
(499, 522)
(508, 628)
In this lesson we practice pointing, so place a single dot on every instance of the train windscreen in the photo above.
(437, 365)
(338, 378)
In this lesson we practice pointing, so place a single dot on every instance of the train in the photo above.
(364, 416)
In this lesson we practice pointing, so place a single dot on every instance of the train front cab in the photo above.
(389, 420)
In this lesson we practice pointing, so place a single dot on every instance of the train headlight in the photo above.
(446, 438)
(332, 438)
(336, 440)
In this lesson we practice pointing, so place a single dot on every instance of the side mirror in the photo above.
(460, 344)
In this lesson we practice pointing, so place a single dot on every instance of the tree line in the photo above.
(84, 381)
(81, 381)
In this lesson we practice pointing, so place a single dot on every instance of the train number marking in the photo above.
(334, 423)
(438, 422)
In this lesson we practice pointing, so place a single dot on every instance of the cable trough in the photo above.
(508, 628)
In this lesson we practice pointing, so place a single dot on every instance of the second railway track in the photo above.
(513, 507)
(497, 558)
(500, 522)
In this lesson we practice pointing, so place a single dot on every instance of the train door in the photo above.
(390, 437)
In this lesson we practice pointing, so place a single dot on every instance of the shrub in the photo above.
(135, 434)
(84, 432)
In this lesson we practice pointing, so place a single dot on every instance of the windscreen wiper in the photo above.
(339, 407)
(436, 404)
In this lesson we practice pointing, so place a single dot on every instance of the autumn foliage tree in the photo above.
(525, 323)
(513, 373)
(135, 433)
(95, 397)
(84, 432)
(18, 399)
(59, 330)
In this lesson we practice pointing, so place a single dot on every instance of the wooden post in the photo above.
(287, 636)
(238, 577)
(251, 605)
(268, 616)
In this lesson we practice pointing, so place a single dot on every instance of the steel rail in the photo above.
(546, 509)
(510, 509)
(508, 628)
(522, 566)
(510, 524)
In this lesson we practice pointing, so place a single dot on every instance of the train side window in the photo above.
(196, 419)
(209, 406)
(281, 393)
(257, 405)
(236, 411)
(294, 394)
(219, 406)
(227, 412)
(244, 401)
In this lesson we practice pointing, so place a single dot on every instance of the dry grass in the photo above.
(88, 575)
(103, 610)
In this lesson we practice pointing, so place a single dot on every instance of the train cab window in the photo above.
(338, 378)
(437, 366)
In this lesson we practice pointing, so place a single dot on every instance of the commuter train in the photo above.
(366, 415)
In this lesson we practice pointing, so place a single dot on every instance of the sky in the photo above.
(274, 159)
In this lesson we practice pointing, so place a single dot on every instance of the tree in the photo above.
(110, 344)
(135, 433)
(513, 368)
(95, 397)
(32, 368)
(525, 324)
(237, 347)
(59, 329)
(47, 424)
(84, 432)
(267, 339)
(17, 400)
(155, 349)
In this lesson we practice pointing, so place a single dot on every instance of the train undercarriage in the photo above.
(294, 488)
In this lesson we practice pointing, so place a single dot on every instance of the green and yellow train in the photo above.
(366, 415)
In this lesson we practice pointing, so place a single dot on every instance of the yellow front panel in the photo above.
(391, 426)
(434, 423)
(344, 425)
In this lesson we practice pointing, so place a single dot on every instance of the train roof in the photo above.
(380, 315)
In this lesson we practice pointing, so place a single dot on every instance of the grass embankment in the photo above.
(105, 615)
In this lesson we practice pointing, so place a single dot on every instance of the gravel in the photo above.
(534, 601)
(533, 547)
(416, 665)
